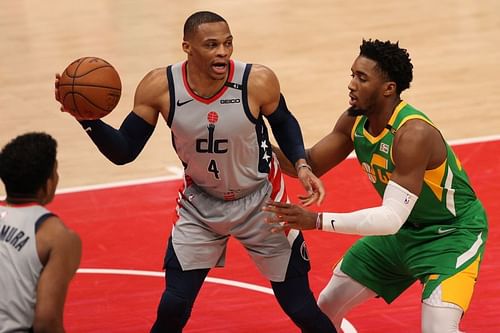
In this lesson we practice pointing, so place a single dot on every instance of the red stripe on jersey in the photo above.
(276, 179)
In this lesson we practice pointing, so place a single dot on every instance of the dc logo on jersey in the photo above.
(211, 145)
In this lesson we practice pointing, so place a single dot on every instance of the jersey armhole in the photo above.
(244, 94)
(42, 219)
(353, 129)
(171, 91)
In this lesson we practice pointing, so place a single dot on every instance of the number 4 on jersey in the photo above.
(212, 167)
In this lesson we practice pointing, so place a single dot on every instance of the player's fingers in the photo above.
(56, 92)
(276, 204)
(309, 200)
(277, 229)
(321, 195)
(273, 219)
(319, 190)
(276, 224)
(308, 187)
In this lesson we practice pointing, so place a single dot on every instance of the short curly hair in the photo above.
(392, 61)
(27, 162)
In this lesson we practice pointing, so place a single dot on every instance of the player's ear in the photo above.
(390, 88)
(186, 47)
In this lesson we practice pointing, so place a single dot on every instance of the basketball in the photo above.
(89, 88)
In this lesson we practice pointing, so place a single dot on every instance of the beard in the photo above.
(354, 111)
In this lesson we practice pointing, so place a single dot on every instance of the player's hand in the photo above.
(56, 90)
(288, 215)
(315, 191)
(56, 93)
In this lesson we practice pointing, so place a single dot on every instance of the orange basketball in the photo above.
(89, 88)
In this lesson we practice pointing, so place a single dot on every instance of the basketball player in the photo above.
(430, 226)
(214, 107)
(38, 254)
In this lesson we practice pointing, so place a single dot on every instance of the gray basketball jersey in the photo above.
(224, 149)
(20, 266)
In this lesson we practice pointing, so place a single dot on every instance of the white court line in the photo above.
(231, 283)
(177, 172)
(346, 326)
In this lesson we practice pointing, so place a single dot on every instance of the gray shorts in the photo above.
(205, 223)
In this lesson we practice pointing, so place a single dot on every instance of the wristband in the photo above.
(319, 221)
(327, 221)
(304, 165)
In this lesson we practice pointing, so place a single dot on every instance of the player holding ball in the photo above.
(89, 88)
(214, 106)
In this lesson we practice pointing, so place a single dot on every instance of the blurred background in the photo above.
(454, 46)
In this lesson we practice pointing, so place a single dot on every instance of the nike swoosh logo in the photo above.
(88, 129)
(179, 103)
(358, 135)
(444, 231)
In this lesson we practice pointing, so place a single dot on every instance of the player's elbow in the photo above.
(381, 221)
(121, 161)
(393, 223)
(376, 226)
(118, 157)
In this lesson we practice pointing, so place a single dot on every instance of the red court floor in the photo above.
(124, 230)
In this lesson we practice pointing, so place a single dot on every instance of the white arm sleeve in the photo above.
(386, 219)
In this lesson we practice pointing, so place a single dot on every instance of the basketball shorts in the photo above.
(445, 258)
(205, 223)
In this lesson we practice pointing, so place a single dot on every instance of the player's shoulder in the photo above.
(262, 76)
(54, 228)
(417, 133)
(154, 83)
(261, 70)
(417, 128)
(54, 235)
(155, 75)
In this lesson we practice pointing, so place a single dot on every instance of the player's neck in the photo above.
(204, 86)
(378, 120)
(19, 201)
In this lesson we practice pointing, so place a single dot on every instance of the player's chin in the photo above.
(355, 111)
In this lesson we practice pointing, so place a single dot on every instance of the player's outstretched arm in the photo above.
(326, 153)
(332, 148)
(263, 86)
(417, 147)
(123, 145)
(60, 253)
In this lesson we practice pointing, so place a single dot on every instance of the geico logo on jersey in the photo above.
(230, 101)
